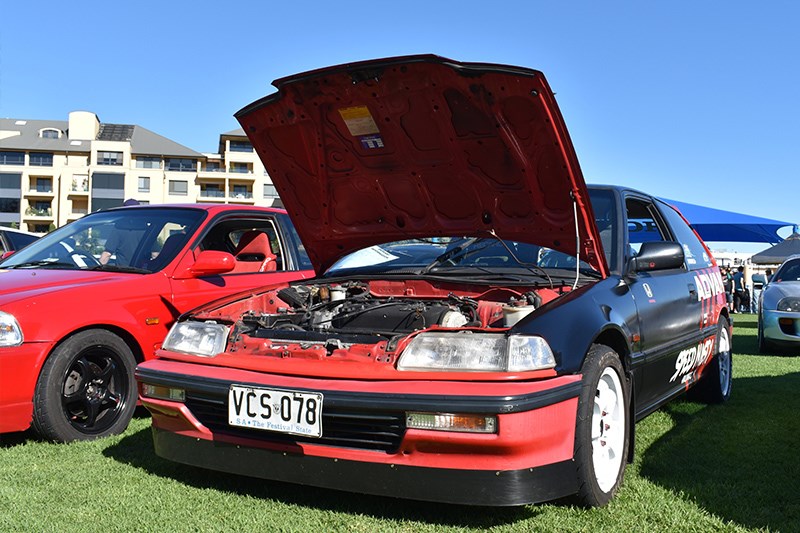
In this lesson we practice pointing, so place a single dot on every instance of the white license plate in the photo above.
(283, 411)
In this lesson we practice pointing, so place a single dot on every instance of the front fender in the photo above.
(573, 322)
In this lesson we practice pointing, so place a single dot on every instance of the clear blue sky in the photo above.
(696, 101)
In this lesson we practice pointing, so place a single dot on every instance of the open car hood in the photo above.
(392, 149)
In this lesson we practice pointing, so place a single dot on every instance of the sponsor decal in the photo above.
(647, 290)
(708, 285)
(371, 141)
(691, 359)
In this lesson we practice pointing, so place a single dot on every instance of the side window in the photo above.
(644, 224)
(605, 216)
(249, 240)
(302, 259)
(19, 240)
(696, 255)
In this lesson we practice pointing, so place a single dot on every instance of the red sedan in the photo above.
(84, 304)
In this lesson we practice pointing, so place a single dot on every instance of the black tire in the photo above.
(86, 389)
(716, 383)
(763, 345)
(602, 431)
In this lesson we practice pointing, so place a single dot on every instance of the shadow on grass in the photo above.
(737, 461)
(7, 440)
(137, 450)
(16, 438)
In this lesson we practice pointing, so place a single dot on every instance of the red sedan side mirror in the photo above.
(209, 263)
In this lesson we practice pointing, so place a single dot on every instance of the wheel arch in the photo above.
(614, 338)
(120, 332)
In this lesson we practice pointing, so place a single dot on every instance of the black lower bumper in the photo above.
(471, 487)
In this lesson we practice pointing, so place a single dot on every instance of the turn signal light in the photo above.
(452, 422)
(163, 393)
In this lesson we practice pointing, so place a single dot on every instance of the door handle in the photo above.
(692, 290)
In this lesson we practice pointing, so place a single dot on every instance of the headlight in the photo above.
(789, 304)
(10, 332)
(476, 352)
(197, 338)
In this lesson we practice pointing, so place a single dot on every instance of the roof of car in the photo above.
(15, 230)
(211, 208)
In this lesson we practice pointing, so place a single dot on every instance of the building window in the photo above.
(181, 165)
(213, 166)
(44, 185)
(148, 162)
(9, 205)
(241, 146)
(50, 134)
(240, 168)
(41, 159)
(144, 184)
(109, 158)
(12, 158)
(178, 187)
(240, 191)
(270, 191)
(212, 190)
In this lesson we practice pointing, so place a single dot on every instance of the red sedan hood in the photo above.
(18, 284)
(393, 149)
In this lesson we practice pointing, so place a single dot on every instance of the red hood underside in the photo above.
(421, 146)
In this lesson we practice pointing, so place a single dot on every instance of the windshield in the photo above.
(789, 271)
(130, 239)
(460, 255)
(487, 255)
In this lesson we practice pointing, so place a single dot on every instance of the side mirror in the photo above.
(209, 263)
(658, 255)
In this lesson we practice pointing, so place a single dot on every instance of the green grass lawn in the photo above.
(697, 468)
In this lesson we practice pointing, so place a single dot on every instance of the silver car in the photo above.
(779, 308)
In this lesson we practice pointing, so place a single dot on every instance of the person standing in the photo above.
(727, 283)
(739, 291)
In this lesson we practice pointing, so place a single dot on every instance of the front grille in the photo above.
(341, 427)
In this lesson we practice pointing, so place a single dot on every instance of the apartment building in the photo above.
(52, 172)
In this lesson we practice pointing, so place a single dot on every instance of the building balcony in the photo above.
(40, 192)
(214, 173)
(38, 213)
(241, 197)
(211, 196)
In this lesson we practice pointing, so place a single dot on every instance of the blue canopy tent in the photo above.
(726, 226)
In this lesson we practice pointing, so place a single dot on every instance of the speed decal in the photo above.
(692, 358)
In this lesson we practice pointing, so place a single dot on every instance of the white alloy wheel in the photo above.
(724, 357)
(608, 429)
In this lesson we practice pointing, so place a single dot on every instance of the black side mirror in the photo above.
(658, 255)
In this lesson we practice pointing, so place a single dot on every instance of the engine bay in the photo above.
(372, 319)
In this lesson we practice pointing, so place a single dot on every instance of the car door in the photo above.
(224, 234)
(669, 312)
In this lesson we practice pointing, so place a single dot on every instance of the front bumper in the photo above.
(366, 447)
(781, 327)
(19, 370)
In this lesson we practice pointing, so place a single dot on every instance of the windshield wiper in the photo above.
(449, 254)
(42, 263)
